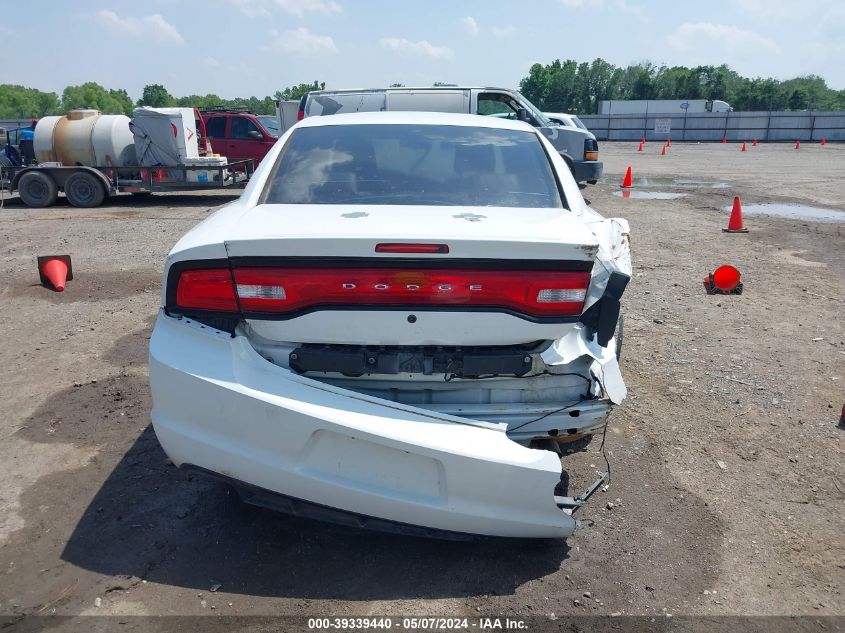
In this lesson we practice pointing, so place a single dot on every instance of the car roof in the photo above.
(313, 92)
(414, 118)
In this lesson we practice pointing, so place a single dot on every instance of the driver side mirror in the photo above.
(523, 115)
(255, 134)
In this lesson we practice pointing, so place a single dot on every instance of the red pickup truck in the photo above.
(241, 135)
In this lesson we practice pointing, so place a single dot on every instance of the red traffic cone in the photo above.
(668, 142)
(642, 140)
(725, 280)
(663, 151)
(627, 181)
(743, 148)
(724, 139)
(735, 224)
(824, 141)
(754, 143)
(640, 148)
(797, 144)
(55, 270)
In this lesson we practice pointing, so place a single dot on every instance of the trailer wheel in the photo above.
(37, 190)
(84, 190)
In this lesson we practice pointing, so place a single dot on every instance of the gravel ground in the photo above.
(727, 490)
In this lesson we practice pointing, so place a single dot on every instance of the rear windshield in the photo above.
(414, 164)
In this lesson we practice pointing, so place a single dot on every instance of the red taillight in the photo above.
(412, 248)
(535, 293)
(207, 289)
(300, 114)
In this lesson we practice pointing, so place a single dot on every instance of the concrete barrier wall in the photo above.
(712, 126)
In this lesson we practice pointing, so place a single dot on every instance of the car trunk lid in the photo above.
(353, 231)
(406, 275)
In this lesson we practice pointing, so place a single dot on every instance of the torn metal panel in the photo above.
(605, 364)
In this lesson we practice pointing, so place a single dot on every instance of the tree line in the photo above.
(567, 86)
(19, 102)
(570, 86)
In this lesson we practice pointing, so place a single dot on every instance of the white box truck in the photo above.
(662, 106)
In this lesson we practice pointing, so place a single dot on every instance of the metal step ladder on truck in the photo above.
(90, 156)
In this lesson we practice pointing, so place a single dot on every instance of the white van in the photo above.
(578, 147)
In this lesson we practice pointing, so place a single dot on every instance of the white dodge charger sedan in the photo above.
(398, 325)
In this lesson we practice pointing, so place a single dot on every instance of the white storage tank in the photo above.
(85, 137)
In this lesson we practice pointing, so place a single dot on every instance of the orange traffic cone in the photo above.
(640, 148)
(743, 147)
(55, 270)
(668, 142)
(754, 143)
(724, 139)
(797, 144)
(663, 151)
(735, 224)
(627, 181)
(824, 141)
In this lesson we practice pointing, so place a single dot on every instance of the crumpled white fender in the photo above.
(605, 364)
(614, 254)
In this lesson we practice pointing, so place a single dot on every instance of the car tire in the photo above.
(37, 190)
(84, 190)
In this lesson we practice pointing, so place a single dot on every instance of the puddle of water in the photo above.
(703, 184)
(793, 212)
(648, 195)
(681, 183)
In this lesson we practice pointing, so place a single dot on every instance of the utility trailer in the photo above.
(39, 185)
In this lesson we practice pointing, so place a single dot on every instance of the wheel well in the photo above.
(569, 162)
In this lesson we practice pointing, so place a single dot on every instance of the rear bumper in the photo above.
(218, 405)
(588, 170)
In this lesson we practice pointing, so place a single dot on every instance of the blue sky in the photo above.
(254, 47)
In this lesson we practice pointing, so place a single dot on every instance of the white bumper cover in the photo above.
(219, 405)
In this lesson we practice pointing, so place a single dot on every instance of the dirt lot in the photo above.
(727, 491)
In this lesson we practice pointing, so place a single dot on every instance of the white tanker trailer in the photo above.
(89, 156)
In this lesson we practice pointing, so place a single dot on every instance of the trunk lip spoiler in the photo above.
(434, 261)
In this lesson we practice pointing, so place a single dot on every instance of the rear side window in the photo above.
(215, 127)
(414, 164)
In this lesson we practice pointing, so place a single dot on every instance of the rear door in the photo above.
(215, 129)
